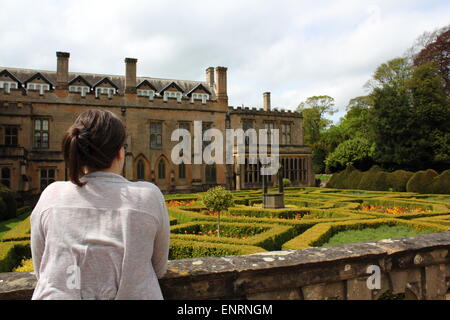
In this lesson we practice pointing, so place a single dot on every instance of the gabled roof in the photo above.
(39, 75)
(170, 85)
(146, 82)
(105, 79)
(199, 86)
(9, 74)
(80, 78)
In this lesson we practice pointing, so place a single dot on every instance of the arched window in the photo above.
(210, 173)
(161, 170)
(6, 177)
(140, 170)
(182, 171)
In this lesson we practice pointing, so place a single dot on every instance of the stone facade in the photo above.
(36, 107)
(416, 268)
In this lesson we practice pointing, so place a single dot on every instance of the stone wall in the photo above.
(415, 268)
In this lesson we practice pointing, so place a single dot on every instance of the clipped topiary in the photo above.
(370, 179)
(353, 179)
(218, 199)
(421, 181)
(441, 183)
(398, 179)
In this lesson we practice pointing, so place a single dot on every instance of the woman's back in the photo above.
(108, 239)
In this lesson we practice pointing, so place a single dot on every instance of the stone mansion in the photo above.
(37, 107)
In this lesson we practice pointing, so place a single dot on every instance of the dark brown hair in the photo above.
(92, 142)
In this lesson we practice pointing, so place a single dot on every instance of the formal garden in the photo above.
(221, 223)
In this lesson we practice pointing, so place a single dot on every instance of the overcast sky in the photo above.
(294, 49)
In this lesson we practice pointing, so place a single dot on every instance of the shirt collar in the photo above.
(104, 176)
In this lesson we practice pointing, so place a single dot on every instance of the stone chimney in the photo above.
(130, 75)
(266, 101)
(210, 76)
(62, 70)
(220, 84)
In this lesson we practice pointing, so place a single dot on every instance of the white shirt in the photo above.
(106, 240)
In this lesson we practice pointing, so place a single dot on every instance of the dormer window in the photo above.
(81, 89)
(146, 93)
(41, 87)
(8, 85)
(105, 90)
(200, 96)
(172, 94)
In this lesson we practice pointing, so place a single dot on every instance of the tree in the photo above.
(315, 124)
(437, 50)
(357, 152)
(314, 110)
(218, 199)
(410, 111)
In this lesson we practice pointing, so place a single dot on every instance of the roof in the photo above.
(119, 81)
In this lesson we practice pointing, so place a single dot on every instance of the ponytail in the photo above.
(92, 142)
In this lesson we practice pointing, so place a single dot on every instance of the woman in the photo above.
(98, 236)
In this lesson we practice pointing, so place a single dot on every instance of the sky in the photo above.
(293, 49)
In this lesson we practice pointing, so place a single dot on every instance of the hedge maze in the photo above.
(311, 217)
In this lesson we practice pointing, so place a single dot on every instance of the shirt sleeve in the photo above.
(37, 241)
(161, 244)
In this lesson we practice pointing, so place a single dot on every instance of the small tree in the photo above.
(286, 182)
(218, 199)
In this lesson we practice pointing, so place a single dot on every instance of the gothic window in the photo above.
(210, 173)
(140, 170)
(161, 170)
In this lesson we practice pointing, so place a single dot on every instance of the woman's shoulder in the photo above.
(148, 189)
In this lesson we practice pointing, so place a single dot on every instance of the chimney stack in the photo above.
(62, 70)
(221, 84)
(266, 99)
(210, 76)
(130, 75)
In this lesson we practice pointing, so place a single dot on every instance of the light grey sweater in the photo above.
(106, 240)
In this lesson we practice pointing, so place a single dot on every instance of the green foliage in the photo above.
(286, 182)
(218, 199)
(441, 183)
(397, 180)
(357, 152)
(421, 181)
(8, 205)
(371, 234)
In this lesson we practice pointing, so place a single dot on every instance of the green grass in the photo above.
(371, 234)
(7, 225)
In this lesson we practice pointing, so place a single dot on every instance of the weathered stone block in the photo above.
(325, 291)
(357, 289)
(289, 294)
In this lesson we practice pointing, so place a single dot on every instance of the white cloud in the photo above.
(294, 49)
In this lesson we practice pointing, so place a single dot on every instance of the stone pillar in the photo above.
(62, 70)
(130, 75)
(280, 180)
(266, 101)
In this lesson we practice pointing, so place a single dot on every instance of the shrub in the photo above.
(338, 180)
(218, 199)
(441, 183)
(421, 181)
(358, 152)
(185, 249)
(286, 182)
(12, 252)
(8, 209)
(373, 179)
(398, 179)
(25, 265)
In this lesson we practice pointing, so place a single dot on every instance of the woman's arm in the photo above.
(161, 244)
(37, 241)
